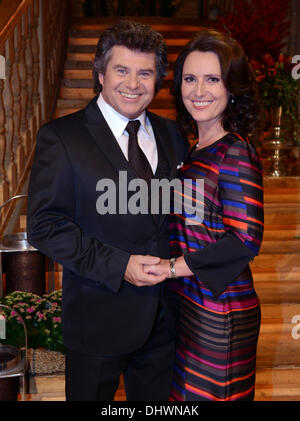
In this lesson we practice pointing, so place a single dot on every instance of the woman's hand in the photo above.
(163, 268)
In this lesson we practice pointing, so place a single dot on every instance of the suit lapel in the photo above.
(162, 136)
(104, 138)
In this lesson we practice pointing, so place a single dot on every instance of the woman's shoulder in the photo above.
(236, 140)
(241, 148)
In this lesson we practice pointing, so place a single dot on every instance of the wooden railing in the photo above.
(33, 36)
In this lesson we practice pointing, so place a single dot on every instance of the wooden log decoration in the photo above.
(25, 271)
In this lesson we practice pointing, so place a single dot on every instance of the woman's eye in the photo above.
(188, 79)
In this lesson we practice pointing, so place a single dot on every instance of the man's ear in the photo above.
(100, 78)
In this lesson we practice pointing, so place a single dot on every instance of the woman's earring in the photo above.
(232, 100)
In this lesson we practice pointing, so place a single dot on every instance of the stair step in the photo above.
(288, 375)
(282, 218)
(287, 246)
(282, 184)
(282, 196)
(277, 349)
(280, 393)
(281, 232)
(279, 313)
(277, 291)
(166, 28)
(277, 343)
(277, 261)
(261, 274)
(78, 83)
(167, 34)
(291, 207)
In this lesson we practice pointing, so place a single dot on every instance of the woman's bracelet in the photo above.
(172, 267)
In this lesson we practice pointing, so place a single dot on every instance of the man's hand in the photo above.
(135, 271)
(160, 269)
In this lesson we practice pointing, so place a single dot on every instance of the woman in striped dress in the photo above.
(217, 309)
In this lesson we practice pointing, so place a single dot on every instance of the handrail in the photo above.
(33, 38)
(11, 10)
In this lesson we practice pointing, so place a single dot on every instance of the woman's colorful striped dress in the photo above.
(217, 310)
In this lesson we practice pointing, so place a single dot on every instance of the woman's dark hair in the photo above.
(242, 108)
(136, 37)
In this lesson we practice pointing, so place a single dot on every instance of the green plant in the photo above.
(41, 315)
(276, 85)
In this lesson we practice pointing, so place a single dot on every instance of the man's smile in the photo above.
(129, 96)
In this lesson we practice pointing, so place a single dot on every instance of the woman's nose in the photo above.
(200, 88)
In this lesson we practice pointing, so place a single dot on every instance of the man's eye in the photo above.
(145, 74)
(121, 71)
(213, 79)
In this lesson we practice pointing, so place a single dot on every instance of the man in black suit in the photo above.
(115, 316)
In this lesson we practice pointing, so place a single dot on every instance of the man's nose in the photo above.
(132, 81)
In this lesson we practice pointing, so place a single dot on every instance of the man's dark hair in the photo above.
(136, 37)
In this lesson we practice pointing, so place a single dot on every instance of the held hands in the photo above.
(150, 270)
(145, 270)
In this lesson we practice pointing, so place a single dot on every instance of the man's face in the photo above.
(128, 84)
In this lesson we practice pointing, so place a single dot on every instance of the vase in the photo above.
(279, 144)
(9, 384)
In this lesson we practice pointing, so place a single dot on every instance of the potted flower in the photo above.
(278, 90)
(42, 317)
(278, 94)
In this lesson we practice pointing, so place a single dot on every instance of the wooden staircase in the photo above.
(276, 270)
(276, 273)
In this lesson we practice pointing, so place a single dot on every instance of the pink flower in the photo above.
(40, 316)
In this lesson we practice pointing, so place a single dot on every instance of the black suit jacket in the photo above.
(102, 313)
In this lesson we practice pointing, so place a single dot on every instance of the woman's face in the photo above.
(203, 91)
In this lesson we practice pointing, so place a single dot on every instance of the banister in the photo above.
(33, 36)
(11, 11)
